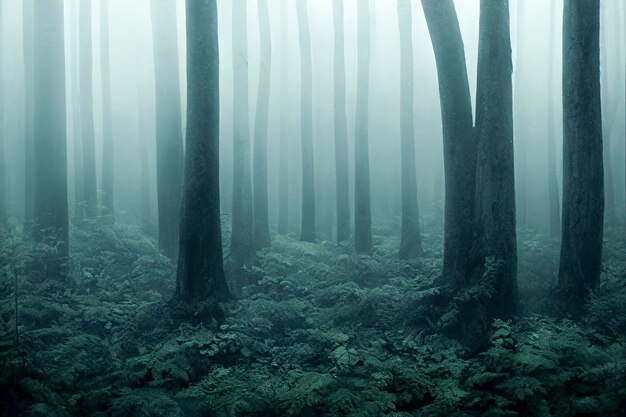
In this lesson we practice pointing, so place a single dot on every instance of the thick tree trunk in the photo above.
(306, 124)
(553, 184)
(168, 123)
(50, 202)
(107, 120)
(458, 140)
(283, 173)
(90, 190)
(29, 102)
(200, 273)
(242, 250)
(410, 240)
(341, 126)
(583, 172)
(362, 203)
(261, 215)
(495, 244)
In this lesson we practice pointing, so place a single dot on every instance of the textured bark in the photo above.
(242, 238)
(583, 172)
(306, 124)
(458, 141)
(29, 102)
(168, 123)
(261, 215)
(283, 181)
(553, 185)
(495, 244)
(410, 240)
(88, 139)
(107, 120)
(362, 203)
(341, 126)
(50, 202)
(200, 273)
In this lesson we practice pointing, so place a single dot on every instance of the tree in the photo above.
(410, 240)
(29, 102)
(583, 172)
(50, 160)
(306, 124)
(3, 180)
(261, 215)
(283, 170)
(200, 274)
(521, 107)
(107, 121)
(90, 195)
(168, 123)
(341, 126)
(553, 185)
(362, 203)
(242, 251)
(74, 25)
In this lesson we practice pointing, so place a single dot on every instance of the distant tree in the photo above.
(283, 170)
(583, 172)
(341, 126)
(521, 108)
(76, 121)
(168, 123)
(50, 160)
(242, 251)
(200, 274)
(410, 240)
(553, 184)
(107, 121)
(261, 214)
(306, 124)
(29, 103)
(362, 203)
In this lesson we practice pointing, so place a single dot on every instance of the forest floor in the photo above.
(320, 332)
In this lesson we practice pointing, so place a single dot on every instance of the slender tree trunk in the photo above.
(520, 137)
(50, 203)
(341, 126)
(362, 203)
(76, 110)
(107, 119)
(283, 173)
(553, 186)
(583, 172)
(609, 116)
(168, 123)
(261, 214)
(90, 191)
(29, 102)
(308, 171)
(458, 140)
(200, 273)
(495, 241)
(242, 250)
(410, 240)
(144, 155)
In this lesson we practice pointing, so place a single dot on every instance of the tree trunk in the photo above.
(168, 123)
(3, 177)
(74, 25)
(520, 126)
(583, 172)
(283, 181)
(200, 272)
(29, 102)
(50, 202)
(609, 116)
(458, 141)
(362, 203)
(261, 215)
(410, 240)
(553, 184)
(242, 238)
(306, 125)
(107, 120)
(90, 190)
(495, 245)
(341, 127)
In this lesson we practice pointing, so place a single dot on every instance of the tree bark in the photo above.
(609, 117)
(200, 274)
(410, 240)
(583, 172)
(29, 102)
(306, 124)
(283, 181)
(553, 184)
(107, 119)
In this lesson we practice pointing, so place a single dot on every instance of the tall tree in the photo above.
(458, 140)
(283, 170)
(74, 25)
(306, 124)
(520, 111)
(242, 251)
(261, 215)
(362, 203)
(200, 274)
(168, 122)
(553, 185)
(495, 239)
(107, 120)
(3, 180)
(341, 126)
(29, 102)
(410, 240)
(583, 171)
(50, 198)
(88, 139)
